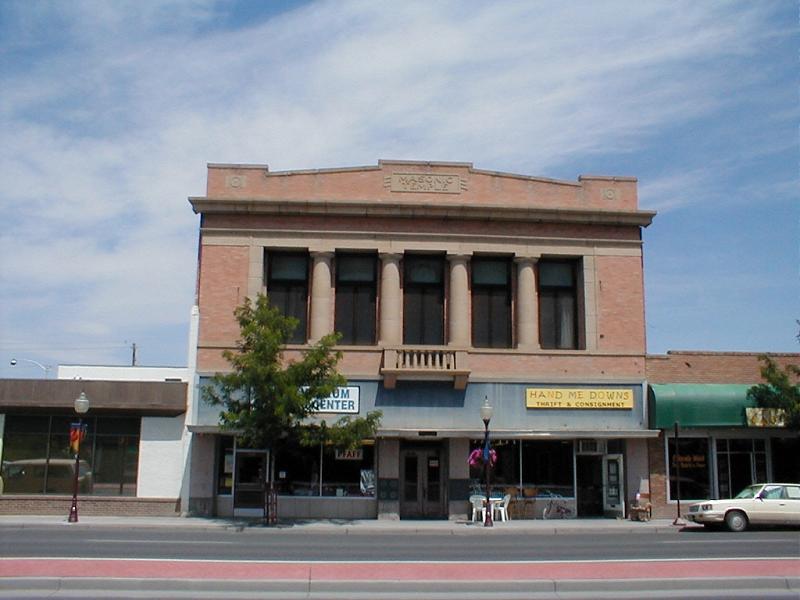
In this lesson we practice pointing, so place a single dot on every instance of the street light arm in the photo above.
(44, 368)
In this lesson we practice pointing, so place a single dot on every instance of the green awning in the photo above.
(698, 405)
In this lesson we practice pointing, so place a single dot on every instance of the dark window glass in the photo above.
(356, 292)
(694, 472)
(740, 462)
(505, 472)
(547, 467)
(423, 300)
(491, 303)
(37, 457)
(287, 289)
(225, 466)
(558, 303)
(311, 471)
(785, 459)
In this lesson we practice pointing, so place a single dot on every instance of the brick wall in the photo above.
(12, 504)
(620, 293)
(711, 367)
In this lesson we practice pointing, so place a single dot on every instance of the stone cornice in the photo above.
(384, 209)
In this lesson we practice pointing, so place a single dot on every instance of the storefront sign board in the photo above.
(343, 400)
(357, 454)
(579, 398)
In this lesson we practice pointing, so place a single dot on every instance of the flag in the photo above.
(77, 432)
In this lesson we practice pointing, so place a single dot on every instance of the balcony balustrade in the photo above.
(428, 363)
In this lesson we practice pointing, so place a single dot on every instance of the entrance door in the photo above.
(613, 487)
(422, 477)
(590, 485)
(249, 483)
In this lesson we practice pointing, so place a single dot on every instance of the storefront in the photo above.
(130, 451)
(721, 446)
(584, 444)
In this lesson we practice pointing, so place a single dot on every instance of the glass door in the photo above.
(613, 486)
(422, 477)
(249, 483)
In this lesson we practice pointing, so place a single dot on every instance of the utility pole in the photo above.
(133, 354)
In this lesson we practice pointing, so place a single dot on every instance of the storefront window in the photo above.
(740, 463)
(548, 467)
(785, 459)
(505, 472)
(225, 466)
(37, 458)
(538, 468)
(325, 471)
(695, 475)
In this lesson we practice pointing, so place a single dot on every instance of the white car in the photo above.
(760, 504)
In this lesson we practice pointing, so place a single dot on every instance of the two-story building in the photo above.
(450, 286)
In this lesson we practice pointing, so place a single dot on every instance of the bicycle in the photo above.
(556, 509)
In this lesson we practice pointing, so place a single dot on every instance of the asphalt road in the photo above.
(264, 545)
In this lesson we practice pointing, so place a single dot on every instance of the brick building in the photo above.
(452, 286)
(722, 444)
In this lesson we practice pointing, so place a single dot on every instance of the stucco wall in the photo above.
(160, 457)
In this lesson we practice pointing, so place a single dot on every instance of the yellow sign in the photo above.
(581, 398)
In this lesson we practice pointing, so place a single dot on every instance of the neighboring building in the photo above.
(132, 457)
(450, 285)
(723, 445)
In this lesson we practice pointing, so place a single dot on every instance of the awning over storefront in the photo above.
(698, 405)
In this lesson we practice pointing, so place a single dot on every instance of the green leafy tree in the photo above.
(268, 401)
(781, 390)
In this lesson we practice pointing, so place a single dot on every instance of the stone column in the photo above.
(527, 304)
(390, 333)
(320, 295)
(255, 272)
(458, 302)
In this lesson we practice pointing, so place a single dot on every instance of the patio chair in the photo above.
(478, 508)
(501, 508)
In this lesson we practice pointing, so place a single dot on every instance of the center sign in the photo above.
(343, 400)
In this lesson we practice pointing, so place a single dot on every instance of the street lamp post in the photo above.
(81, 406)
(44, 368)
(486, 416)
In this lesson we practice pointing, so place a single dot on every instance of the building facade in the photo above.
(131, 458)
(712, 437)
(451, 286)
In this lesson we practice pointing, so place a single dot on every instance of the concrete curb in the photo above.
(356, 527)
(764, 587)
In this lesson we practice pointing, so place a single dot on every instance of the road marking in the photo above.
(405, 562)
(194, 543)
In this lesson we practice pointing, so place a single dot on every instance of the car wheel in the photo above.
(736, 520)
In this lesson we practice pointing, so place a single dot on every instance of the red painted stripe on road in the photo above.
(387, 571)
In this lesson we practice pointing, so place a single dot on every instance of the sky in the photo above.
(110, 111)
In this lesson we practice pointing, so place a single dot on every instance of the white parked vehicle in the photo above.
(759, 504)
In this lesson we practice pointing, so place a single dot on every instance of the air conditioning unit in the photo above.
(591, 446)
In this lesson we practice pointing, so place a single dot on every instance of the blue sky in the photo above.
(110, 110)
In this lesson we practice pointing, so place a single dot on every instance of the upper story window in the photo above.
(423, 299)
(287, 288)
(491, 302)
(356, 292)
(558, 304)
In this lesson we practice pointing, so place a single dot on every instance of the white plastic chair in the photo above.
(501, 508)
(478, 508)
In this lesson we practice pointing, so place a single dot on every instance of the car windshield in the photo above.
(748, 492)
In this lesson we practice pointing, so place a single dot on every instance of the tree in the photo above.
(781, 390)
(268, 400)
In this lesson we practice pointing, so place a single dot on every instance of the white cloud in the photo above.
(108, 123)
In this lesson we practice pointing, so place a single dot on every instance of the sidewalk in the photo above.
(558, 526)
